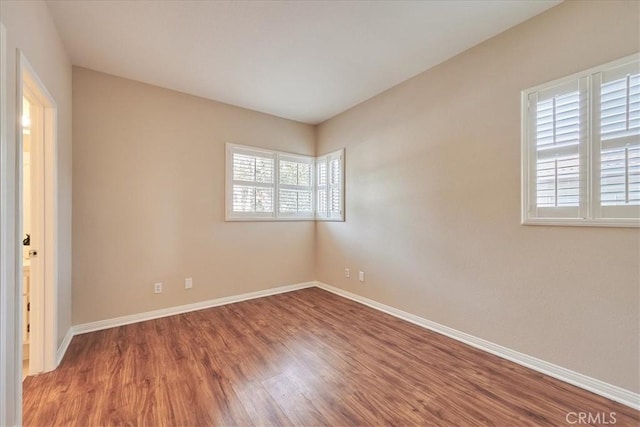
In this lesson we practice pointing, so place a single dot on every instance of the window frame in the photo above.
(589, 208)
(276, 215)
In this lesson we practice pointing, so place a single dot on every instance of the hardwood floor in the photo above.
(301, 358)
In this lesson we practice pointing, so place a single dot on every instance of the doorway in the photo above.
(37, 214)
(26, 225)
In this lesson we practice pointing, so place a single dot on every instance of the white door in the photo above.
(33, 224)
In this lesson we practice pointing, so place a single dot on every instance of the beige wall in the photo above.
(433, 203)
(31, 29)
(149, 200)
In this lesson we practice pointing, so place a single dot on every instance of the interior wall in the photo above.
(149, 187)
(31, 29)
(433, 203)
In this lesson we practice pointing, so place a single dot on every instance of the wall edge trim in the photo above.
(179, 309)
(62, 349)
(599, 387)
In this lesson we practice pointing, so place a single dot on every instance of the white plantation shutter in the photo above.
(322, 175)
(271, 185)
(558, 118)
(335, 185)
(617, 142)
(581, 148)
(330, 186)
(620, 176)
(252, 182)
(295, 186)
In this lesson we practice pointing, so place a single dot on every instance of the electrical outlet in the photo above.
(347, 273)
(188, 283)
(157, 288)
(361, 276)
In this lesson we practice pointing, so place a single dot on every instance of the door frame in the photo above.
(44, 284)
(10, 327)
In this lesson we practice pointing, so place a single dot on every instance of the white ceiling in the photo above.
(303, 60)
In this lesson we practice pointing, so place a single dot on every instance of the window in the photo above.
(329, 193)
(253, 183)
(296, 186)
(581, 148)
(272, 185)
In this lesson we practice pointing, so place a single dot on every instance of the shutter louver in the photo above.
(560, 115)
(581, 148)
(321, 187)
(620, 176)
(558, 121)
(620, 141)
(558, 182)
(271, 185)
(620, 108)
(330, 186)
(335, 198)
(253, 182)
(296, 190)
(322, 201)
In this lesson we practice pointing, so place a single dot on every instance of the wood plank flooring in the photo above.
(304, 358)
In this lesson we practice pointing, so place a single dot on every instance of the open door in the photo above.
(38, 219)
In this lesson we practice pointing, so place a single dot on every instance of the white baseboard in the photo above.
(593, 385)
(171, 311)
(596, 386)
(64, 346)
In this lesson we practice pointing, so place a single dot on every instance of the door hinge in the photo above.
(28, 306)
(28, 327)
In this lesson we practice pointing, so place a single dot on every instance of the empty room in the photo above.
(319, 213)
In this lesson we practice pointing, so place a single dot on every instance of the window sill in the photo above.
(575, 222)
(249, 219)
(281, 219)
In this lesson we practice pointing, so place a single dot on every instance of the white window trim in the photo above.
(276, 215)
(588, 209)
